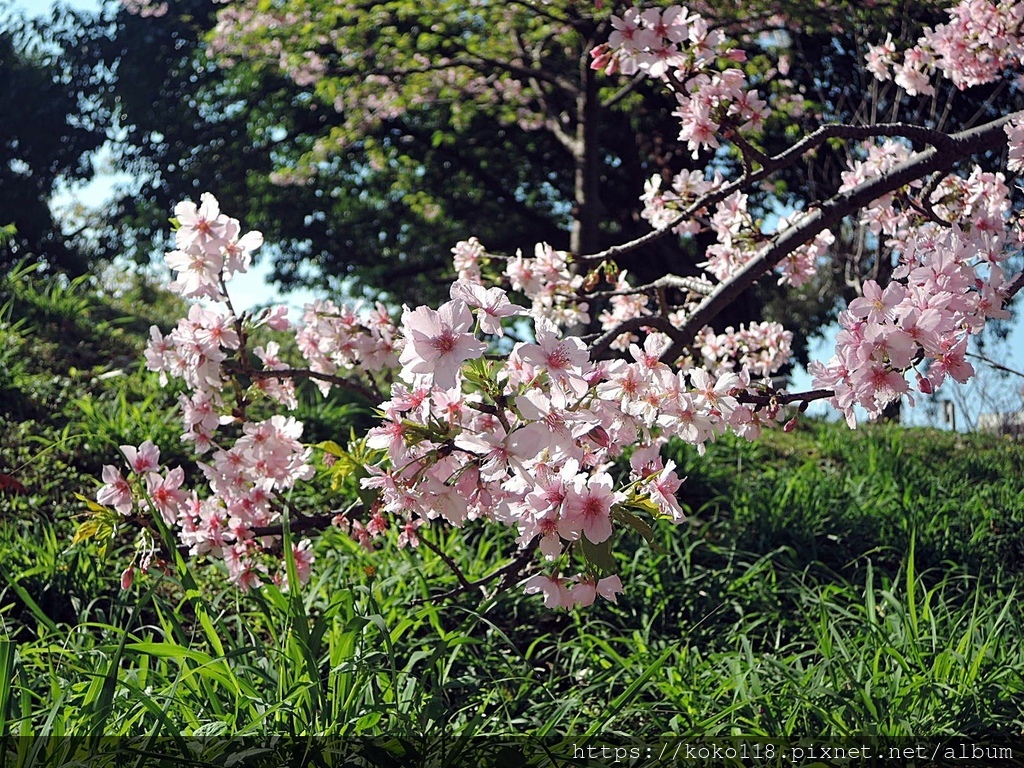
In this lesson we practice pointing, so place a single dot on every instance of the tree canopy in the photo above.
(48, 133)
(368, 138)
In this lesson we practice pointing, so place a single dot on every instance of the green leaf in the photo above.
(331, 447)
(598, 555)
(367, 721)
(6, 674)
(92, 505)
(638, 524)
(87, 530)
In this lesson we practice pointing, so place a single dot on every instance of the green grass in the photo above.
(829, 585)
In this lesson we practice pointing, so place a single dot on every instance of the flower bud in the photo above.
(600, 436)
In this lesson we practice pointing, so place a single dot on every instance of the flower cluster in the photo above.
(760, 348)
(491, 413)
(244, 479)
(658, 42)
(738, 238)
(624, 306)
(678, 47)
(981, 40)
(550, 284)
(336, 338)
(662, 207)
(209, 249)
(528, 443)
(948, 283)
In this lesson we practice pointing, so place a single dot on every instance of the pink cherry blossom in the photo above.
(438, 342)
(588, 507)
(115, 492)
(563, 358)
(492, 302)
(145, 458)
(166, 493)
(557, 593)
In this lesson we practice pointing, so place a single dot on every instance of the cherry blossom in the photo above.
(477, 430)
(438, 342)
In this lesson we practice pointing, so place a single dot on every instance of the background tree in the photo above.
(368, 138)
(48, 133)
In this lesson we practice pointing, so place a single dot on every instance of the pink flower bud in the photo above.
(600, 436)
(127, 577)
(601, 55)
(790, 425)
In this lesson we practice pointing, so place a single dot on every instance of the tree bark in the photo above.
(586, 224)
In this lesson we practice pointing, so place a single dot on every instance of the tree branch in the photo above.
(300, 524)
(698, 285)
(603, 342)
(507, 576)
(464, 583)
(770, 165)
(624, 91)
(1014, 288)
(783, 398)
(831, 212)
(303, 373)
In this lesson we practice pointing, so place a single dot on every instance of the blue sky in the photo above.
(42, 7)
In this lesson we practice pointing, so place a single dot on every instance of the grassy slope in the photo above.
(829, 584)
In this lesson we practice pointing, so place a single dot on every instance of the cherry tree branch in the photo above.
(1014, 288)
(698, 285)
(624, 91)
(304, 373)
(831, 212)
(303, 524)
(603, 342)
(993, 364)
(447, 559)
(937, 139)
(507, 576)
(783, 398)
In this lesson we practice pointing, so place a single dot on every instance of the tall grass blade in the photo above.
(6, 682)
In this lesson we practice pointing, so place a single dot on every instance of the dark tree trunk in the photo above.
(586, 225)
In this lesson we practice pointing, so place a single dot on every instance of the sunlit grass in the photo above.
(828, 585)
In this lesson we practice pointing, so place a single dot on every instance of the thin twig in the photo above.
(604, 341)
(993, 364)
(944, 143)
(698, 285)
(508, 575)
(465, 583)
(1014, 287)
(303, 373)
(302, 524)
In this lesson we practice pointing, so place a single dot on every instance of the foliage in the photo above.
(48, 133)
(780, 642)
(367, 169)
